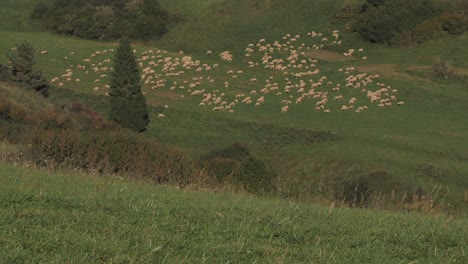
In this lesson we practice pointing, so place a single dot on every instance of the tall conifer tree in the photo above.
(127, 103)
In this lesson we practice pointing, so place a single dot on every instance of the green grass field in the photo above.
(53, 217)
(62, 217)
(422, 144)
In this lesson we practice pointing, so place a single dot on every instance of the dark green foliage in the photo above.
(224, 162)
(37, 82)
(40, 10)
(22, 61)
(127, 103)
(455, 23)
(427, 30)
(254, 176)
(384, 21)
(236, 151)
(5, 73)
(102, 19)
(357, 192)
(400, 22)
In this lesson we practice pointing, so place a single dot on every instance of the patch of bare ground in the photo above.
(166, 95)
(328, 56)
(457, 70)
(382, 69)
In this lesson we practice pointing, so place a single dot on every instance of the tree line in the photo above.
(402, 22)
(104, 19)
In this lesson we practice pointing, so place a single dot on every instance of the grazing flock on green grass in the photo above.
(295, 76)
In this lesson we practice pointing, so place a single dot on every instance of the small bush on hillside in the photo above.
(455, 23)
(357, 192)
(221, 168)
(442, 69)
(5, 73)
(254, 176)
(224, 162)
(427, 30)
(10, 111)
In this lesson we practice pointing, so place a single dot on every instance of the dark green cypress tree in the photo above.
(127, 103)
(22, 61)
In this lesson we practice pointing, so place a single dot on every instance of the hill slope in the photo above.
(422, 144)
(52, 217)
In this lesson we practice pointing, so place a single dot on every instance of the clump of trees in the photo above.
(104, 19)
(396, 22)
(127, 102)
(20, 70)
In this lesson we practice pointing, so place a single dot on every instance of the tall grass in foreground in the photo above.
(51, 217)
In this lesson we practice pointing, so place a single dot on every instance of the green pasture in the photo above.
(57, 218)
(421, 144)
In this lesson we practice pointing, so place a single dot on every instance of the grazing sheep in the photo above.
(161, 116)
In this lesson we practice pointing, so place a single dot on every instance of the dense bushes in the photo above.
(76, 137)
(103, 19)
(455, 23)
(236, 163)
(384, 21)
(110, 152)
(398, 22)
(255, 177)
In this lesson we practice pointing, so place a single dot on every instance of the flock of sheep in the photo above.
(283, 72)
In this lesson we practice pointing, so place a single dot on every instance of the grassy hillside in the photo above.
(422, 144)
(49, 217)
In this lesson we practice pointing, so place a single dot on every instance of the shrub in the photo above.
(442, 69)
(221, 167)
(455, 23)
(427, 30)
(110, 152)
(224, 162)
(254, 176)
(356, 192)
(5, 73)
